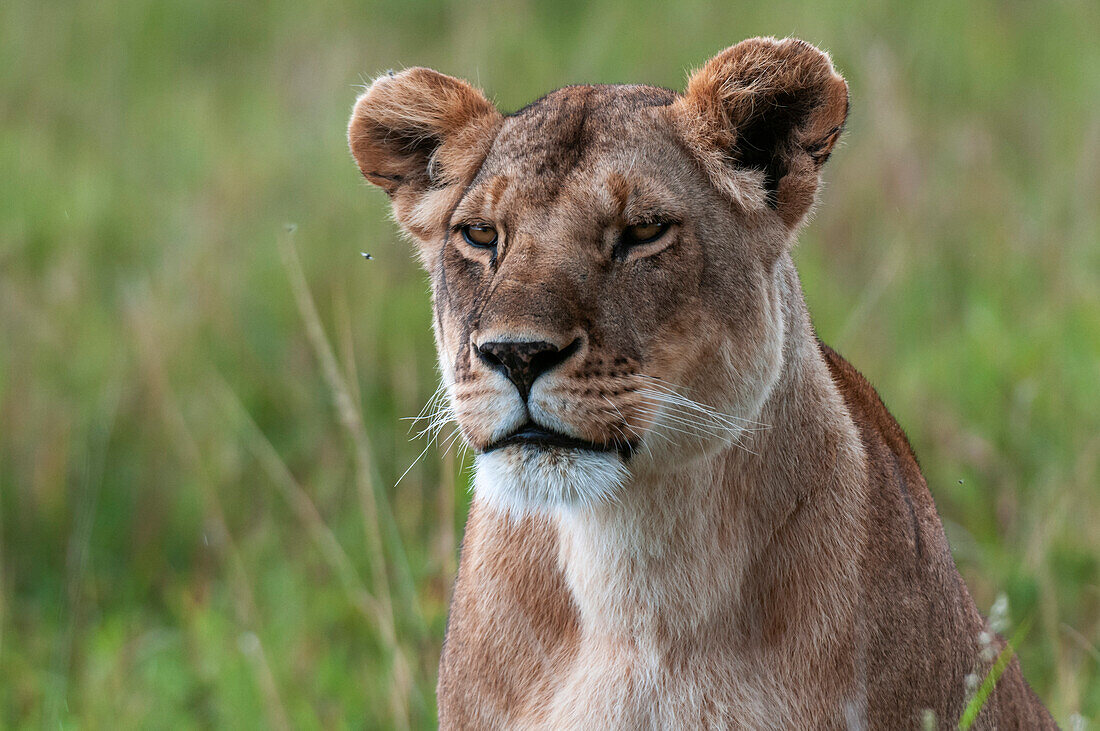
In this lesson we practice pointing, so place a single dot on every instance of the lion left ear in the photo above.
(417, 133)
(762, 118)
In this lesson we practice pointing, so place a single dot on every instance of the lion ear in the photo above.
(416, 132)
(762, 117)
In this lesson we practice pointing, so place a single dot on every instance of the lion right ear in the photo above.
(416, 133)
(762, 118)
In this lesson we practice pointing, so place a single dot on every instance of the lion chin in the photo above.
(520, 479)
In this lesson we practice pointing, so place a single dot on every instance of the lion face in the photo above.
(604, 261)
(599, 306)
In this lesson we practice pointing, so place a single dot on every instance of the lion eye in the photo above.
(644, 233)
(481, 235)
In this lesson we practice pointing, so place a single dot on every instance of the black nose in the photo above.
(523, 362)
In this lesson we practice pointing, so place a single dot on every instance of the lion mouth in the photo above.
(533, 435)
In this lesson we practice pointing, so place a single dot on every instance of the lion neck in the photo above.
(760, 543)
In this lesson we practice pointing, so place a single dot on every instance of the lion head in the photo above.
(609, 265)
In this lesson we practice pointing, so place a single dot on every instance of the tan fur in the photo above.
(763, 555)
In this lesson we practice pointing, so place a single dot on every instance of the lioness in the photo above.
(688, 511)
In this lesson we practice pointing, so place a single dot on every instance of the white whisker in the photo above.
(669, 397)
(689, 421)
(412, 464)
(709, 416)
(655, 387)
(438, 413)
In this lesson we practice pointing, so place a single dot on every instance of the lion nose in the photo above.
(523, 362)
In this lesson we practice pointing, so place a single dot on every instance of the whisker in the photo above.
(621, 428)
(626, 425)
(412, 464)
(664, 419)
(695, 429)
(451, 439)
(690, 421)
(438, 412)
(690, 433)
(663, 386)
(669, 396)
(713, 417)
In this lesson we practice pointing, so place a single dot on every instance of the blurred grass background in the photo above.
(199, 522)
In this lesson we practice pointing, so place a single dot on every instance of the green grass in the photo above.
(992, 676)
(196, 532)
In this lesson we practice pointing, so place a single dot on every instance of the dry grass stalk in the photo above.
(152, 365)
(352, 420)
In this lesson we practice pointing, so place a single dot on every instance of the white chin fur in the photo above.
(519, 479)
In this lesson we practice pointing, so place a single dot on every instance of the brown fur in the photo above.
(765, 555)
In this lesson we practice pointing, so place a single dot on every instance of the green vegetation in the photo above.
(198, 519)
(989, 682)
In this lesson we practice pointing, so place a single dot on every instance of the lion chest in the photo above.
(611, 684)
